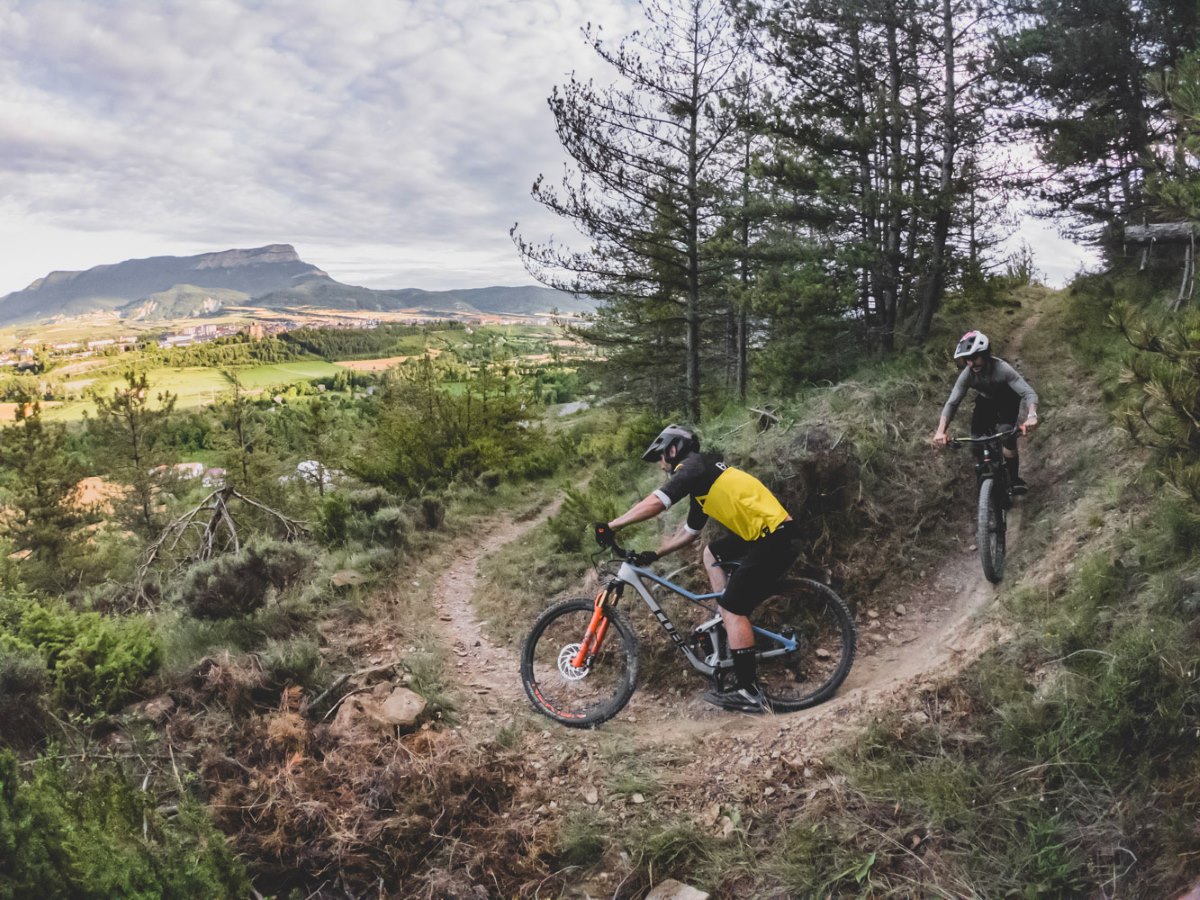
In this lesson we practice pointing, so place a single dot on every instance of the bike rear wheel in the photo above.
(989, 531)
(819, 621)
(579, 697)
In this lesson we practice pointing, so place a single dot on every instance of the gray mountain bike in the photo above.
(579, 662)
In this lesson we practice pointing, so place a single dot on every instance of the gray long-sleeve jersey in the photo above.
(992, 383)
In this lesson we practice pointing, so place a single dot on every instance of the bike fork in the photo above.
(594, 636)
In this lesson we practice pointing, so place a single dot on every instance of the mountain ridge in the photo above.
(269, 277)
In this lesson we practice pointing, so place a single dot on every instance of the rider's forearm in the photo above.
(678, 540)
(943, 424)
(644, 509)
(1031, 412)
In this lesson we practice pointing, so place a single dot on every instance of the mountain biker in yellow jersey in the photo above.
(760, 541)
(999, 392)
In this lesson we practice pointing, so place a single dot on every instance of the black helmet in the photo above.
(684, 440)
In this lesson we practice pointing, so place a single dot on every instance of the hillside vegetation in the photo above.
(190, 722)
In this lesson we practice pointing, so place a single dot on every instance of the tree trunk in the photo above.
(935, 281)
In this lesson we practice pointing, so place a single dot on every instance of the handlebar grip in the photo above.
(604, 535)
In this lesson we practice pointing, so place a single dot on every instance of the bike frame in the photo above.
(629, 574)
(991, 465)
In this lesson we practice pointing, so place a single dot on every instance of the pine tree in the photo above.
(645, 176)
(1076, 75)
(245, 443)
(39, 475)
(129, 425)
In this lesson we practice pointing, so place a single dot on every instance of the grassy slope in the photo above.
(1061, 763)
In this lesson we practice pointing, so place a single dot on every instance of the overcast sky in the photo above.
(393, 142)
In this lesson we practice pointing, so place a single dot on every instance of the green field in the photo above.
(74, 382)
(196, 385)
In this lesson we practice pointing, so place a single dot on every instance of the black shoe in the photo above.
(1019, 488)
(750, 700)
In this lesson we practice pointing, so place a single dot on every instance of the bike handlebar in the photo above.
(607, 539)
(999, 435)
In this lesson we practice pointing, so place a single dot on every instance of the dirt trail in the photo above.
(488, 672)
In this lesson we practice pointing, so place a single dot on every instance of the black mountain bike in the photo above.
(579, 663)
(995, 500)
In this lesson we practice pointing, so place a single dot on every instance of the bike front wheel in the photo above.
(989, 531)
(586, 696)
(820, 625)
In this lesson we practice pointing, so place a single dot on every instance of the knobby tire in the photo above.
(823, 628)
(580, 698)
(989, 531)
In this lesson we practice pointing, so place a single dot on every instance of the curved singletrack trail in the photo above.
(488, 673)
(934, 627)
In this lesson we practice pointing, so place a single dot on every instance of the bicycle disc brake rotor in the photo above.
(565, 667)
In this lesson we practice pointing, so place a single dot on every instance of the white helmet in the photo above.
(971, 343)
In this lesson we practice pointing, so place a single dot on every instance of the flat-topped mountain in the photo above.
(271, 277)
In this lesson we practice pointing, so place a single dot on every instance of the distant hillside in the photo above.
(250, 272)
(271, 277)
(325, 293)
(182, 301)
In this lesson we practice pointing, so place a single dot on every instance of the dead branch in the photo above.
(218, 534)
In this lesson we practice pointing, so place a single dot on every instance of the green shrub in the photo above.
(95, 662)
(390, 526)
(333, 520)
(367, 501)
(433, 513)
(237, 584)
(231, 585)
(572, 526)
(87, 833)
(291, 661)
(24, 683)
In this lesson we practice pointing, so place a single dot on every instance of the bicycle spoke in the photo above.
(817, 621)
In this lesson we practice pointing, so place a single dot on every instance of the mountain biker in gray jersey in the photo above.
(760, 541)
(999, 392)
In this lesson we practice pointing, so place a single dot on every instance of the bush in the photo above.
(365, 515)
(88, 833)
(291, 661)
(580, 510)
(24, 683)
(95, 662)
(237, 584)
(390, 527)
(232, 585)
(433, 513)
(333, 520)
(367, 501)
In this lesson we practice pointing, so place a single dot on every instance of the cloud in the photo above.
(399, 135)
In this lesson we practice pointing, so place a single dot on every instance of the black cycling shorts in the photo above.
(991, 416)
(762, 563)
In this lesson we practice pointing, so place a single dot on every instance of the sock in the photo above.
(745, 668)
(1014, 466)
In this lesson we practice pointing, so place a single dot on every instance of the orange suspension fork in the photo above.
(594, 636)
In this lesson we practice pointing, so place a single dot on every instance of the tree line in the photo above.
(807, 180)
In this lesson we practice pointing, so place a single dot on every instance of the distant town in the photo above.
(27, 354)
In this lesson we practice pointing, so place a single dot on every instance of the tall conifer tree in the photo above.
(642, 189)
